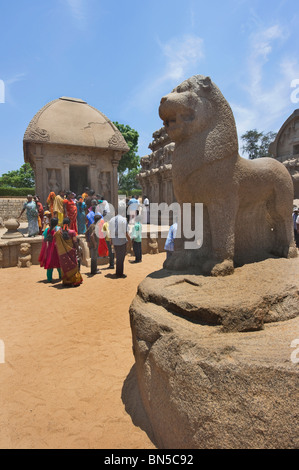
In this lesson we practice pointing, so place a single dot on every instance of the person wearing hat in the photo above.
(296, 225)
(46, 220)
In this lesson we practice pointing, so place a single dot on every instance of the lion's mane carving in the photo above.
(247, 203)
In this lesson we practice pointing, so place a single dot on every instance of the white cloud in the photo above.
(261, 44)
(9, 97)
(16, 78)
(267, 94)
(77, 9)
(181, 54)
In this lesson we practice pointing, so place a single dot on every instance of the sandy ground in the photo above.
(67, 380)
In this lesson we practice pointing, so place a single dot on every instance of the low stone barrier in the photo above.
(11, 251)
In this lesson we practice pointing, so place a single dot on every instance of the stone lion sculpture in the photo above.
(24, 259)
(153, 246)
(247, 203)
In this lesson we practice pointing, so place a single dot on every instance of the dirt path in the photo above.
(68, 353)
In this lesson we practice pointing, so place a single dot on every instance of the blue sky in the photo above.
(123, 56)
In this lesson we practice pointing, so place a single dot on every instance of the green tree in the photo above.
(129, 160)
(22, 178)
(128, 181)
(256, 144)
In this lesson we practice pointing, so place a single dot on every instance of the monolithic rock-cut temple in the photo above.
(285, 148)
(72, 145)
(155, 176)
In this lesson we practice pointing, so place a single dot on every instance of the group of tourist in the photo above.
(66, 216)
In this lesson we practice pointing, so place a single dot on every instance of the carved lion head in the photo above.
(25, 248)
(188, 108)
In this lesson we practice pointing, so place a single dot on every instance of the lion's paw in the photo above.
(214, 268)
(176, 262)
(292, 252)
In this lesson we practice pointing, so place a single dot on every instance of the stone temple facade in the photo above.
(285, 148)
(155, 176)
(71, 145)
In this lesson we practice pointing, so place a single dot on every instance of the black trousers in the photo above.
(137, 251)
(111, 254)
(120, 252)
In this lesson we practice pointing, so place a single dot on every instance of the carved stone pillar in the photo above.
(66, 176)
(38, 170)
(114, 185)
(114, 179)
(93, 180)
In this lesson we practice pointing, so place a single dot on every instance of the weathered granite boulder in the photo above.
(206, 383)
(255, 294)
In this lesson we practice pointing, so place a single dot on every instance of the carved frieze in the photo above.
(117, 142)
(37, 135)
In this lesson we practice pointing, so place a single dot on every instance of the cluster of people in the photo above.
(68, 215)
(110, 236)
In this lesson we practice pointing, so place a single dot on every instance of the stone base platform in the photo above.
(206, 383)
(10, 246)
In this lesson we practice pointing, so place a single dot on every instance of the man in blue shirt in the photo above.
(133, 206)
(169, 244)
(296, 235)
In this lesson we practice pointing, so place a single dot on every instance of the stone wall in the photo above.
(155, 176)
(11, 207)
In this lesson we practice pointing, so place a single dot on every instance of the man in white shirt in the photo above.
(119, 235)
(145, 210)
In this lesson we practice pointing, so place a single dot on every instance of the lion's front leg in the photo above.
(178, 261)
(222, 224)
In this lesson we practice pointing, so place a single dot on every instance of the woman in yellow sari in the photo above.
(58, 207)
(67, 247)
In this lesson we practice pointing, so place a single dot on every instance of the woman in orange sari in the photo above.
(70, 211)
(67, 248)
(50, 202)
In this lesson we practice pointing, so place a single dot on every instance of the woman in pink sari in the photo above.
(70, 211)
(48, 257)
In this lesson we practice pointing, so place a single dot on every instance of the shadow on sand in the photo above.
(133, 404)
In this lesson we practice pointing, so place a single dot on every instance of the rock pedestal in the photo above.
(12, 226)
(215, 357)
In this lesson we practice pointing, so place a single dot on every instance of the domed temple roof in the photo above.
(288, 140)
(71, 121)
